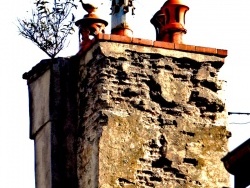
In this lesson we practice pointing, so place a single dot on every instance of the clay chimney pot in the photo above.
(90, 25)
(169, 21)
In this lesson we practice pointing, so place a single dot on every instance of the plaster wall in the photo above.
(39, 102)
(53, 121)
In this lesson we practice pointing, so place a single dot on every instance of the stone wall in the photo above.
(150, 117)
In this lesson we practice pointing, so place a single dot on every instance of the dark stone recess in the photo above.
(162, 162)
(63, 107)
(191, 161)
(123, 181)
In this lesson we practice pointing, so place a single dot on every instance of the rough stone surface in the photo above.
(129, 116)
(150, 117)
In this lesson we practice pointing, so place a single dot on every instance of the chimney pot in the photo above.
(90, 25)
(169, 21)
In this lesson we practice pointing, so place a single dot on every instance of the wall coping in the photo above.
(45, 64)
(160, 44)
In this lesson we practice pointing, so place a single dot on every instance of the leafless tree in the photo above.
(49, 25)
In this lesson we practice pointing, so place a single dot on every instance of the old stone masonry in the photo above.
(150, 117)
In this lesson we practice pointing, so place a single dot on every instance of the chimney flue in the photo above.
(169, 21)
(120, 17)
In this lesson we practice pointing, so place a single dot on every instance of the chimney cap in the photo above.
(91, 18)
(90, 21)
(174, 2)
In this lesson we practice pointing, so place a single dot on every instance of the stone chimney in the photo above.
(53, 105)
(169, 21)
(129, 112)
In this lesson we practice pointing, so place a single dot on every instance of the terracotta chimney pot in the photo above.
(90, 25)
(169, 21)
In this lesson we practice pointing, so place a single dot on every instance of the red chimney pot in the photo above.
(90, 25)
(169, 21)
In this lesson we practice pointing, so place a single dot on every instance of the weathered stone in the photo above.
(172, 90)
(207, 100)
(137, 116)
(164, 125)
(205, 72)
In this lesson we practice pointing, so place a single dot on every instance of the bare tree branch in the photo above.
(49, 25)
